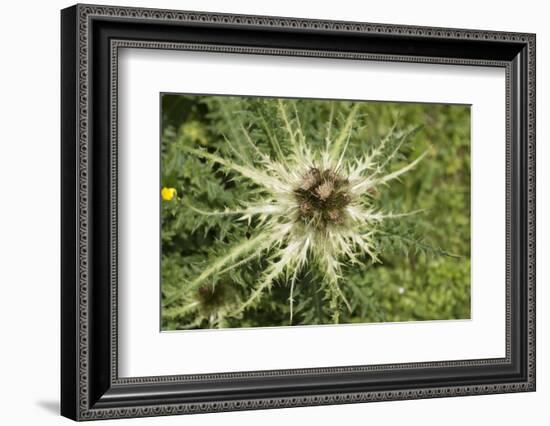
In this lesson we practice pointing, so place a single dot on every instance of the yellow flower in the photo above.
(168, 193)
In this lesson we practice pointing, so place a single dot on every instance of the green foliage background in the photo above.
(415, 281)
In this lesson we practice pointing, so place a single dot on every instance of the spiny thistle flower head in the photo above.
(315, 206)
(323, 196)
(211, 298)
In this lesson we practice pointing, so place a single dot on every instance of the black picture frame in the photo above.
(90, 386)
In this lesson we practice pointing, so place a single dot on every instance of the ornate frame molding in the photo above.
(86, 404)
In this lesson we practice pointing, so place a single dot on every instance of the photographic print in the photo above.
(295, 212)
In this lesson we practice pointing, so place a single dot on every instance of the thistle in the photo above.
(313, 207)
(209, 303)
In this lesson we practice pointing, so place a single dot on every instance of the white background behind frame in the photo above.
(144, 351)
(30, 359)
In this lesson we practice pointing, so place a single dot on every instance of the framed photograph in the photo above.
(263, 212)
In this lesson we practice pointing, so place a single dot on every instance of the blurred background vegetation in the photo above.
(416, 280)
